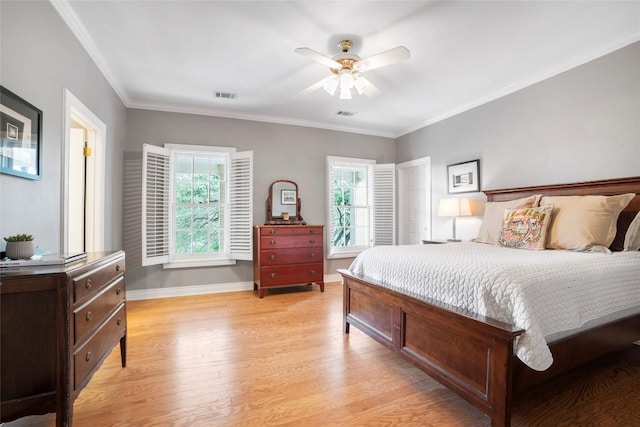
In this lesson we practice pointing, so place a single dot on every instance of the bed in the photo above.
(472, 354)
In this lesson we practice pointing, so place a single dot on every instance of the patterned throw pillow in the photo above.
(525, 228)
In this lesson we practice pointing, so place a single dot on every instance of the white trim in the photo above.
(198, 263)
(185, 291)
(73, 107)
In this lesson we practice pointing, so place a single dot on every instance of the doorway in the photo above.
(84, 185)
(414, 201)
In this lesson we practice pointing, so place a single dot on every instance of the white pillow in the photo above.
(632, 238)
(494, 213)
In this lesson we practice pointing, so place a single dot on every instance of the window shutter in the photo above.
(384, 204)
(155, 205)
(241, 206)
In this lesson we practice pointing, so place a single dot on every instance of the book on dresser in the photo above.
(288, 255)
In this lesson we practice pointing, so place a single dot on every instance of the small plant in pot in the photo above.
(19, 246)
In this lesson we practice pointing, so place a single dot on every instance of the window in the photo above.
(197, 205)
(361, 205)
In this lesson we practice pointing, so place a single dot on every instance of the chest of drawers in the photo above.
(288, 255)
(58, 324)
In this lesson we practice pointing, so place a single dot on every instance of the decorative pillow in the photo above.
(632, 239)
(493, 214)
(525, 228)
(584, 222)
(622, 225)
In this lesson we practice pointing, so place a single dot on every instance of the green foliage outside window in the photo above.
(199, 212)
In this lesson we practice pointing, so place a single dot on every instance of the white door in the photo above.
(414, 201)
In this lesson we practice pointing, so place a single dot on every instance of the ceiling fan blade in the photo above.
(388, 57)
(312, 54)
(317, 85)
(372, 91)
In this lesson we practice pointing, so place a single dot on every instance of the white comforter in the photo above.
(542, 292)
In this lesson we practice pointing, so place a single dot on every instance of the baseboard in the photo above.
(185, 291)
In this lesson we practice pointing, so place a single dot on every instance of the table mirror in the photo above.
(283, 203)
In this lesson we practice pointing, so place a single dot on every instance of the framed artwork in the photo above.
(20, 136)
(288, 197)
(463, 177)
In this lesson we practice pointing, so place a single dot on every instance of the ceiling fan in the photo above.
(347, 69)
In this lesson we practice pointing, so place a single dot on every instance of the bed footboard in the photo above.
(470, 354)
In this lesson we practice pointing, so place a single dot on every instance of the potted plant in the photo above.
(19, 246)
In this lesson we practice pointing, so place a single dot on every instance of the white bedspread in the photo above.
(542, 292)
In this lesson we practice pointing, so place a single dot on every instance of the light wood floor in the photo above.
(236, 360)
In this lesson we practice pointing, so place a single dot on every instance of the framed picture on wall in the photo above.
(20, 136)
(463, 177)
(288, 197)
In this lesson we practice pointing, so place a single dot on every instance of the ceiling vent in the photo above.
(226, 95)
(345, 113)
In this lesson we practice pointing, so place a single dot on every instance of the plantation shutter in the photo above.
(155, 205)
(241, 206)
(384, 204)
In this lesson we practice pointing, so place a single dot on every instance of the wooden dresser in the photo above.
(58, 324)
(287, 255)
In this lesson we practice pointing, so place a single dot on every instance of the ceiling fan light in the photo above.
(361, 84)
(330, 85)
(345, 93)
(346, 80)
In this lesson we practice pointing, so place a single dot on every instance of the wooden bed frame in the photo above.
(472, 354)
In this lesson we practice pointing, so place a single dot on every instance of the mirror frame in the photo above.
(279, 220)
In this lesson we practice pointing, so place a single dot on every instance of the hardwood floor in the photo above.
(236, 360)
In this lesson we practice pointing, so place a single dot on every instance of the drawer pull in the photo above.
(272, 242)
(88, 285)
(273, 275)
(88, 356)
(117, 267)
(89, 316)
(119, 321)
(312, 272)
(272, 257)
(272, 231)
(312, 240)
(312, 255)
(118, 290)
(311, 230)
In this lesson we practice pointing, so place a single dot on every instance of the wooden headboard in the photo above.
(605, 187)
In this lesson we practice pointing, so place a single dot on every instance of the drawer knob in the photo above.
(312, 240)
(272, 257)
(88, 284)
(118, 290)
(312, 272)
(272, 231)
(312, 255)
(311, 230)
(273, 275)
(89, 316)
(119, 321)
(88, 356)
(272, 242)
(117, 267)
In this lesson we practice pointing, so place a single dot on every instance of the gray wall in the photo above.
(581, 125)
(41, 57)
(280, 152)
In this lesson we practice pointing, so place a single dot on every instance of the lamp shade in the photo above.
(456, 206)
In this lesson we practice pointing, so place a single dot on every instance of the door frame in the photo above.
(95, 179)
(424, 161)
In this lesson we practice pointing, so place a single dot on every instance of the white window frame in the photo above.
(158, 202)
(380, 209)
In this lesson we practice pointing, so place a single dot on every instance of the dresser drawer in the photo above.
(289, 274)
(291, 241)
(291, 256)
(90, 315)
(285, 230)
(89, 282)
(94, 351)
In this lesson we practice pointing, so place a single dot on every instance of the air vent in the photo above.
(345, 113)
(226, 95)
